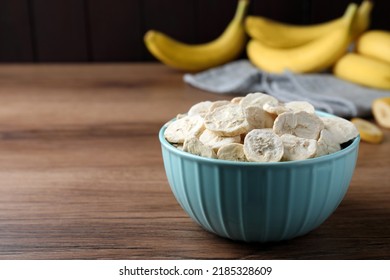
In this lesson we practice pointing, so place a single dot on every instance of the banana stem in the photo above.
(363, 17)
(241, 10)
(351, 10)
(350, 16)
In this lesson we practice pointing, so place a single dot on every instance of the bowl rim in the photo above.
(354, 145)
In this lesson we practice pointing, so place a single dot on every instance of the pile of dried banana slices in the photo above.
(258, 128)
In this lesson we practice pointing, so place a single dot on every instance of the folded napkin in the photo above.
(325, 91)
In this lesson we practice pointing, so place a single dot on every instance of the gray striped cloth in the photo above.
(326, 92)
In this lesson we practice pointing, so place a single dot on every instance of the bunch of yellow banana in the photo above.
(276, 46)
(225, 48)
(370, 66)
(280, 35)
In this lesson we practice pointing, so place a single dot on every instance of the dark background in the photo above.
(112, 30)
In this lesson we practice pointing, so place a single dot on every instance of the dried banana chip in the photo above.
(180, 116)
(257, 99)
(216, 141)
(258, 118)
(297, 106)
(368, 131)
(178, 146)
(227, 120)
(301, 124)
(297, 148)
(236, 100)
(194, 146)
(341, 129)
(185, 127)
(201, 108)
(263, 145)
(217, 104)
(326, 144)
(275, 109)
(233, 151)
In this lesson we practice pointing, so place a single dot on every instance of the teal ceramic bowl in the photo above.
(259, 202)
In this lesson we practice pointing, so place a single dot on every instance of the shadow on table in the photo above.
(357, 230)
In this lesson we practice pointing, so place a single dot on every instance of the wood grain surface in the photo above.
(81, 174)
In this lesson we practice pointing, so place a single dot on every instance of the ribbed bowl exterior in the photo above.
(259, 202)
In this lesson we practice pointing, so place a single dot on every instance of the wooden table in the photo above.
(81, 174)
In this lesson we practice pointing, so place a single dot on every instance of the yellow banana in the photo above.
(376, 44)
(281, 35)
(314, 56)
(363, 70)
(226, 47)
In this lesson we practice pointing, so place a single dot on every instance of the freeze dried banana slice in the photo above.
(263, 145)
(201, 108)
(217, 104)
(236, 100)
(297, 106)
(258, 118)
(257, 99)
(232, 151)
(297, 148)
(275, 109)
(216, 141)
(326, 144)
(180, 116)
(341, 129)
(227, 120)
(194, 146)
(178, 146)
(180, 129)
(301, 124)
(368, 131)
